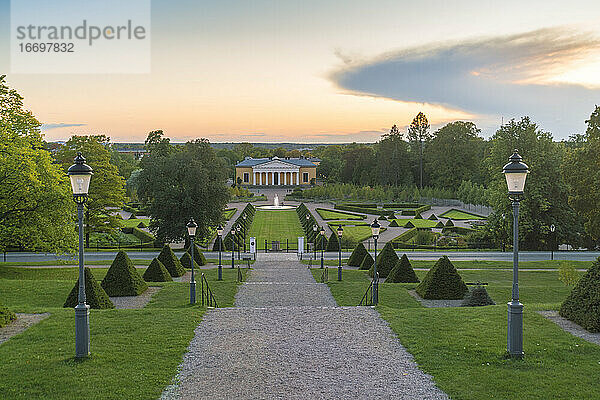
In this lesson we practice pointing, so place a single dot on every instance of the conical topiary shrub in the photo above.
(394, 223)
(156, 272)
(358, 254)
(170, 261)
(333, 243)
(477, 297)
(432, 217)
(386, 260)
(216, 244)
(186, 261)
(582, 306)
(418, 216)
(440, 224)
(122, 279)
(366, 263)
(6, 316)
(449, 223)
(442, 282)
(95, 296)
(321, 242)
(198, 256)
(402, 272)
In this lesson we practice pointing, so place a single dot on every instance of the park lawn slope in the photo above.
(331, 214)
(279, 225)
(460, 215)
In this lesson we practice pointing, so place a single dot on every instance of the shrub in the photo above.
(358, 254)
(122, 279)
(418, 216)
(321, 242)
(567, 273)
(170, 261)
(333, 243)
(6, 316)
(583, 304)
(367, 262)
(477, 297)
(406, 236)
(95, 296)
(394, 223)
(424, 237)
(216, 244)
(156, 272)
(442, 282)
(186, 261)
(198, 256)
(142, 224)
(144, 236)
(386, 260)
(402, 272)
(449, 223)
(132, 216)
(432, 217)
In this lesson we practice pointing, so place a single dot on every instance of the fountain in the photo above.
(276, 205)
(276, 201)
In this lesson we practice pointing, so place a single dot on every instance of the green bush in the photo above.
(406, 236)
(142, 224)
(122, 279)
(432, 217)
(449, 223)
(418, 216)
(198, 256)
(186, 261)
(402, 272)
(442, 282)
(358, 254)
(424, 237)
(386, 261)
(6, 316)
(144, 236)
(583, 304)
(156, 272)
(333, 242)
(394, 223)
(367, 262)
(170, 261)
(477, 297)
(218, 241)
(95, 296)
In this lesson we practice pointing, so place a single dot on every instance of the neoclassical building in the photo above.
(276, 171)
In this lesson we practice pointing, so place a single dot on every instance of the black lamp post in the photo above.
(375, 227)
(80, 174)
(232, 248)
(220, 267)
(552, 229)
(315, 228)
(239, 230)
(340, 232)
(244, 218)
(516, 173)
(191, 228)
(322, 232)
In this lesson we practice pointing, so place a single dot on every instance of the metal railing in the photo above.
(367, 299)
(240, 276)
(325, 275)
(207, 295)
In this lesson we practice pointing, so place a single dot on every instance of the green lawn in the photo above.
(460, 215)
(417, 223)
(132, 223)
(279, 225)
(331, 214)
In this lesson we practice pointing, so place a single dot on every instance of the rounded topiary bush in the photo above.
(367, 262)
(386, 261)
(170, 261)
(95, 296)
(333, 243)
(582, 306)
(186, 261)
(402, 272)
(6, 316)
(122, 279)
(358, 254)
(198, 256)
(156, 272)
(477, 297)
(442, 282)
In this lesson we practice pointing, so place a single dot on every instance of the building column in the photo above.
(270, 181)
(253, 178)
(285, 177)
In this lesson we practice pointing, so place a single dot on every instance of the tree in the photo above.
(418, 134)
(331, 162)
(581, 169)
(126, 163)
(392, 157)
(545, 201)
(187, 181)
(107, 187)
(455, 154)
(358, 164)
(36, 204)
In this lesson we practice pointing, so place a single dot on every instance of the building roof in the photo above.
(301, 162)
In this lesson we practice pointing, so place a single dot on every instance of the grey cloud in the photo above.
(48, 127)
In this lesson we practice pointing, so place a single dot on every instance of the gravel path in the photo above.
(287, 339)
(571, 327)
(22, 322)
(135, 302)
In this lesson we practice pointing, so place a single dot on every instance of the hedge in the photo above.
(6, 316)
(582, 306)
(402, 272)
(432, 217)
(386, 261)
(122, 278)
(358, 254)
(364, 210)
(477, 297)
(156, 272)
(406, 236)
(186, 261)
(442, 282)
(144, 236)
(198, 256)
(333, 243)
(170, 261)
(95, 296)
(367, 262)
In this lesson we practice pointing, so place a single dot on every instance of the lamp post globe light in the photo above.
(552, 229)
(516, 173)
(322, 233)
(315, 228)
(232, 248)
(220, 267)
(191, 228)
(80, 175)
(375, 228)
(340, 232)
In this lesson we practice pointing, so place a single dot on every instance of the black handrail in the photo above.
(207, 294)
(367, 299)
(325, 275)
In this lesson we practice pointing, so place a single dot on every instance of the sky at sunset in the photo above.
(332, 71)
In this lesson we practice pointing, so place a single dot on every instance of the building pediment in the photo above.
(275, 165)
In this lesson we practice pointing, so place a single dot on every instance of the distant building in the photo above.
(277, 171)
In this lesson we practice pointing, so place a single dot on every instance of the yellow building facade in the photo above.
(276, 171)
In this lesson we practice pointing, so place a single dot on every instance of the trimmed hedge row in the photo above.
(249, 211)
(364, 210)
